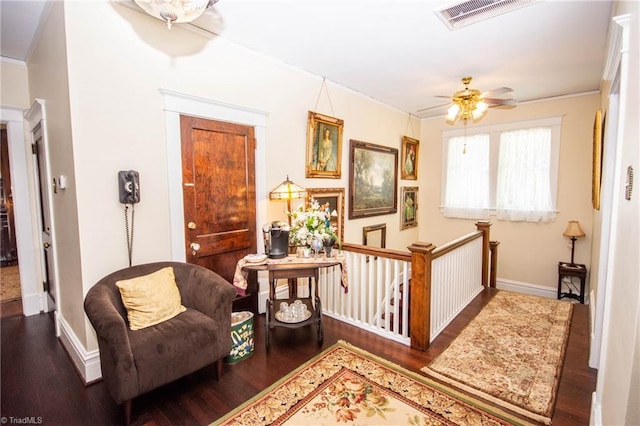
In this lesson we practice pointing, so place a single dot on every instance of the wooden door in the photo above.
(218, 177)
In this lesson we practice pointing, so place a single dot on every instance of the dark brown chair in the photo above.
(136, 362)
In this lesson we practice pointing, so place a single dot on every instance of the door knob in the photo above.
(191, 225)
(194, 247)
(46, 245)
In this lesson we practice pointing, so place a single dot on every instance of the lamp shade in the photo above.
(573, 229)
(288, 190)
(172, 11)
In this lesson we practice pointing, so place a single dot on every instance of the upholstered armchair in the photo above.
(137, 361)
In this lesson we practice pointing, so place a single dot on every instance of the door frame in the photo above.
(33, 301)
(34, 116)
(176, 104)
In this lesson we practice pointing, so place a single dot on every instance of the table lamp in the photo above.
(288, 190)
(573, 231)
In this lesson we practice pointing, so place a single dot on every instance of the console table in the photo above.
(293, 267)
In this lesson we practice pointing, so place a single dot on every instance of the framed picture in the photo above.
(373, 180)
(409, 164)
(375, 235)
(334, 197)
(597, 160)
(324, 146)
(409, 200)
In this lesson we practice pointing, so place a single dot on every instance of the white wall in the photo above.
(528, 252)
(117, 115)
(48, 81)
(14, 86)
(618, 383)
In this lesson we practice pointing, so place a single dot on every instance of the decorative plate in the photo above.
(255, 258)
(280, 317)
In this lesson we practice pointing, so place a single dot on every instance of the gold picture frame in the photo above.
(335, 198)
(373, 180)
(409, 200)
(375, 235)
(324, 146)
(409, 164)
(597, 160)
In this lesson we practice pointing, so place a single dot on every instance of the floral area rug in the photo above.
(510, 354)
(347, 385)
(10, 283)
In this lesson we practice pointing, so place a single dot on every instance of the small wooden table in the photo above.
(292, 270)
(577, 270)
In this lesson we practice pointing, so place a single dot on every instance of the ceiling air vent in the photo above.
(462, 13)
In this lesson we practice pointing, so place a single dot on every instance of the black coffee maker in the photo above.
(276, 239)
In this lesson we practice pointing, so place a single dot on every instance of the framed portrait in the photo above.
(334, 199)
(596, 177)
(324, 146)
(409, 158)
(409, 207)
(373, 180)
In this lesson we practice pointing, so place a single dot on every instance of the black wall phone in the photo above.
(129, 186)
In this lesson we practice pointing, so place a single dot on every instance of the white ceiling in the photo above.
(397, 51)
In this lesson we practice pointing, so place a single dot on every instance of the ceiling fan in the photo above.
(471, 104)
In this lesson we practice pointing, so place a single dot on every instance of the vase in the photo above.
(328, 247)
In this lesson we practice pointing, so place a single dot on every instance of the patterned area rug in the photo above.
(346, 385)
(10, 283)
(511, 354)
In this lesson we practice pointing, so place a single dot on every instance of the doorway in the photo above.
(177, 104)
(19, 159)
(10, 290)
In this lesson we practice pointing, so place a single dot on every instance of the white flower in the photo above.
(311, 224)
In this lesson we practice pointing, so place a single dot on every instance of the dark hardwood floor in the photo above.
(38, 379)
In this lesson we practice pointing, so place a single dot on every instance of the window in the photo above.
(508, 170)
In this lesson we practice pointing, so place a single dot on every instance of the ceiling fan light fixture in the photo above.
(479, 111)
(452, 112)
(172, 11)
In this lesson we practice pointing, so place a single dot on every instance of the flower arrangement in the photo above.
(312, 224)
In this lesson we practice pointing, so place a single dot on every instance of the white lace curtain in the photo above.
(467, 183)
(523, 187)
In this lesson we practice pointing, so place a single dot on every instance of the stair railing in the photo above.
(445, 279)
(410, 297)
(378, 291)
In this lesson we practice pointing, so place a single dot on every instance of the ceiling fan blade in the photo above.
(497, 91)
(496, 102)
(442, 96)
(433, 107)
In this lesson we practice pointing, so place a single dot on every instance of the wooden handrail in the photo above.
(377, 251)
(452, 245)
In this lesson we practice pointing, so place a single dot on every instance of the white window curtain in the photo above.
(524, 189)
(467, 181)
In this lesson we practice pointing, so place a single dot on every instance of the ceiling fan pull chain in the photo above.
(328, 97)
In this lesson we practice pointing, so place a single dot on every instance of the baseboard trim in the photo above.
(595, 419)
(526, 288)
(87, 363)
(31, 304)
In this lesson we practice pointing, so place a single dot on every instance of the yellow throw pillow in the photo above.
(151, 299)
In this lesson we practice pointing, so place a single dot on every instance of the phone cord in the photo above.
(129, 234)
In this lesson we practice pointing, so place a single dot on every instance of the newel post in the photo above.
(420, 295)
(484, 227)
(494, 263)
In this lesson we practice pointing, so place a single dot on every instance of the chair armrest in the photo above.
(116, 358)
(207, 292)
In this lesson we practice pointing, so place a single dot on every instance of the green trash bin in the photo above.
(241, 337)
